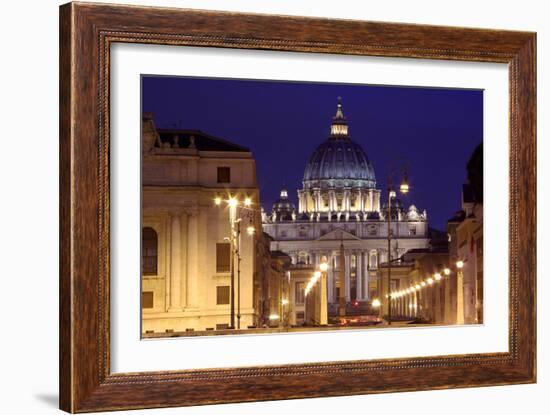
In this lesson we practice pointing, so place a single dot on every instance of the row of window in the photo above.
(371, 231)
(149, 253)
(222, 297)
(149, 250)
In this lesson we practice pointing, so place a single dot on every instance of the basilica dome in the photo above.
(339, 161)
(283, 208)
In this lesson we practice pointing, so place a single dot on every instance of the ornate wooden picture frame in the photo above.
(87, 32)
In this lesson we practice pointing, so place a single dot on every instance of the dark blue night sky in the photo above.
(433, 131)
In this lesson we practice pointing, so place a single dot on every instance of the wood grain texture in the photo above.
(86, 33)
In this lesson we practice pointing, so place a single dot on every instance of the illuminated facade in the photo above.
(186, 257)
(340, 203)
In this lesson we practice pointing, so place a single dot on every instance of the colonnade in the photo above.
(182, 284)
(430, 303)
(357, 271)
(327, 200)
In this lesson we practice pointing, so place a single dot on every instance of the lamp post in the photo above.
(285, 312)
(459, 292)
(232, 203)
(235, 248)
(318, 275)
(323, 267)
(403, 188)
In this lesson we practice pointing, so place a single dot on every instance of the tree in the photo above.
(475, 173)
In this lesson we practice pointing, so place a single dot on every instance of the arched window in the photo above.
(149, 251)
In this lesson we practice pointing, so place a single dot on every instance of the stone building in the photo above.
(466, 234)
(340, 203)
(299, 276)
(465, 231)
(186, 256)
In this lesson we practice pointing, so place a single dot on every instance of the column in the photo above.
(359, 274)
(318, 200)
(330, 279)
(460, 297)
(193, 260)
(345, 201)
(365, 260)
(175, 263)
(437, 303)
(168, 256)
(183, 267)
(348, 269)
(371, 200)
(323, 307)
(447, 298)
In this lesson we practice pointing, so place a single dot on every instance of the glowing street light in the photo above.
(232, 202)
(459, 293)
(235, 229)
(404, 189)
(447, 271)
(376, 303)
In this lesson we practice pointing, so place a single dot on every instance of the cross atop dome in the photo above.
(339, 126)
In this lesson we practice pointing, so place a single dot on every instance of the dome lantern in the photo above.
(338, 177)
(339, 161)
(339, 126)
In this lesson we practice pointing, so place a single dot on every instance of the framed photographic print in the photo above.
(249, 199)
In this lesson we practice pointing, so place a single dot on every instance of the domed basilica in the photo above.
(339, 210)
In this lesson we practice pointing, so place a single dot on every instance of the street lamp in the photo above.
(404, 189)
(233, 204)
(323, 266)
(459, 292)
(319, 274)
